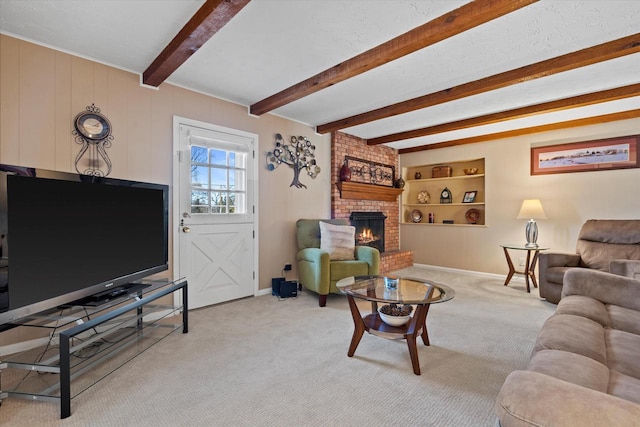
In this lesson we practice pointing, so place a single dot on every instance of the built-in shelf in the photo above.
(427, 205)
(436, 224)
(361, 191)
(458, 184)
(449, 178)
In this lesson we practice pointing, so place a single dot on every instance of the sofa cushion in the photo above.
(338, 240)
(598, 255)
(533, 399)
(626, 232)
(574, 334)
(588, 307)
(571, 367)
(624, 319)
(623, 352)
(624, 386)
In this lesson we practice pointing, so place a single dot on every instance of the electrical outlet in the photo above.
(521, 261)
(287, 267)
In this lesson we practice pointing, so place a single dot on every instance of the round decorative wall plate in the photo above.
(424, 197)
(472, 216)
(416, 215)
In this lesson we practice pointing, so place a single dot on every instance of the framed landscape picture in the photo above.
(603, 154)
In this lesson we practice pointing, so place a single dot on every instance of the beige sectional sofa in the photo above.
(585, 366)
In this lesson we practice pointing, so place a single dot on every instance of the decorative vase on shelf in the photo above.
(399, 183)
(345, 172)
(418, 175)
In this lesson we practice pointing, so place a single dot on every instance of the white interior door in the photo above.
(214, 189)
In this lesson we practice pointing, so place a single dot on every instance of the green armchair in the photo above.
(317, 272)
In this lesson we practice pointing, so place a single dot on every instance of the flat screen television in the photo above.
(68, 236)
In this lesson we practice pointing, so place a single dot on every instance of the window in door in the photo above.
(218, 181)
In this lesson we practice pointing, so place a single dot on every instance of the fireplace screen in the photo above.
(369, 229)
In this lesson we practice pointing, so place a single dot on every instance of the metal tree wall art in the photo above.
(299, 155)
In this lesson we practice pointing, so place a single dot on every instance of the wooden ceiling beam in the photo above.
(605, 118)
(448, 25)
(208, 20)
(581, 58)
(530, 110)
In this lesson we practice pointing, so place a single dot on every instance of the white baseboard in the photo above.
(516, 278)
(262, 292)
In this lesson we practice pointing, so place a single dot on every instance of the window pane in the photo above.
(218, 179)
(200, 176)
(240, 161)
(218, 198)
(198, 154)
(237, 203)
(219, 202)
(199, 202)
(237, 180)
(218, 157)
(232, 159)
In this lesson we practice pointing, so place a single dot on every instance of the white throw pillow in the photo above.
(338, 240)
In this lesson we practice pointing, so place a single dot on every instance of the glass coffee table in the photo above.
(409, 291)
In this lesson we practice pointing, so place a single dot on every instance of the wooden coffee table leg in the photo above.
(417, 323)
(358, 326)
(425, 334)
(413, 352)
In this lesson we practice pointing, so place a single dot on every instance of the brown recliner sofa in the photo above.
(609, 245)
(584, 369)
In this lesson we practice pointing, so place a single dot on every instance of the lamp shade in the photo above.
(531, 209)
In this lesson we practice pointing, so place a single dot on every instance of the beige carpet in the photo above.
(264, 362)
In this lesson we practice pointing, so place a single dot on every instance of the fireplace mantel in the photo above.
(360, 191)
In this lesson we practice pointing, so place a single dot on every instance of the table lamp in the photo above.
(531, 209)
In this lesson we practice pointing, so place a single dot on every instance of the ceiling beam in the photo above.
(581, 58)
(605, 118)
(502, 116)
(208, 20)
(448, 25)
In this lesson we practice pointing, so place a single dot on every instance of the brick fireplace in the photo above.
(347, 145)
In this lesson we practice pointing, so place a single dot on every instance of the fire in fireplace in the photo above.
(369, 229)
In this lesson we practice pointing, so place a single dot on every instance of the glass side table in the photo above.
(529, 266)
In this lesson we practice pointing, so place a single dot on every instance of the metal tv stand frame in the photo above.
(87, 343)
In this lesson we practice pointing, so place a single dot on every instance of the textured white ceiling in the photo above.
(273, 44)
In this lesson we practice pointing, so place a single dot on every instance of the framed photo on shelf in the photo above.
(603, 154)
(469, 196)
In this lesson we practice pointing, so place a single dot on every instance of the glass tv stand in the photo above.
(81, 344)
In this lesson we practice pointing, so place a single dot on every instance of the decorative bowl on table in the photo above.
(470, 171)
(395, 314)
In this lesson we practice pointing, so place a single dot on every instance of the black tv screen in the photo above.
(67, 236)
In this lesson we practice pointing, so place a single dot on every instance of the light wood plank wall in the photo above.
(42, 90)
